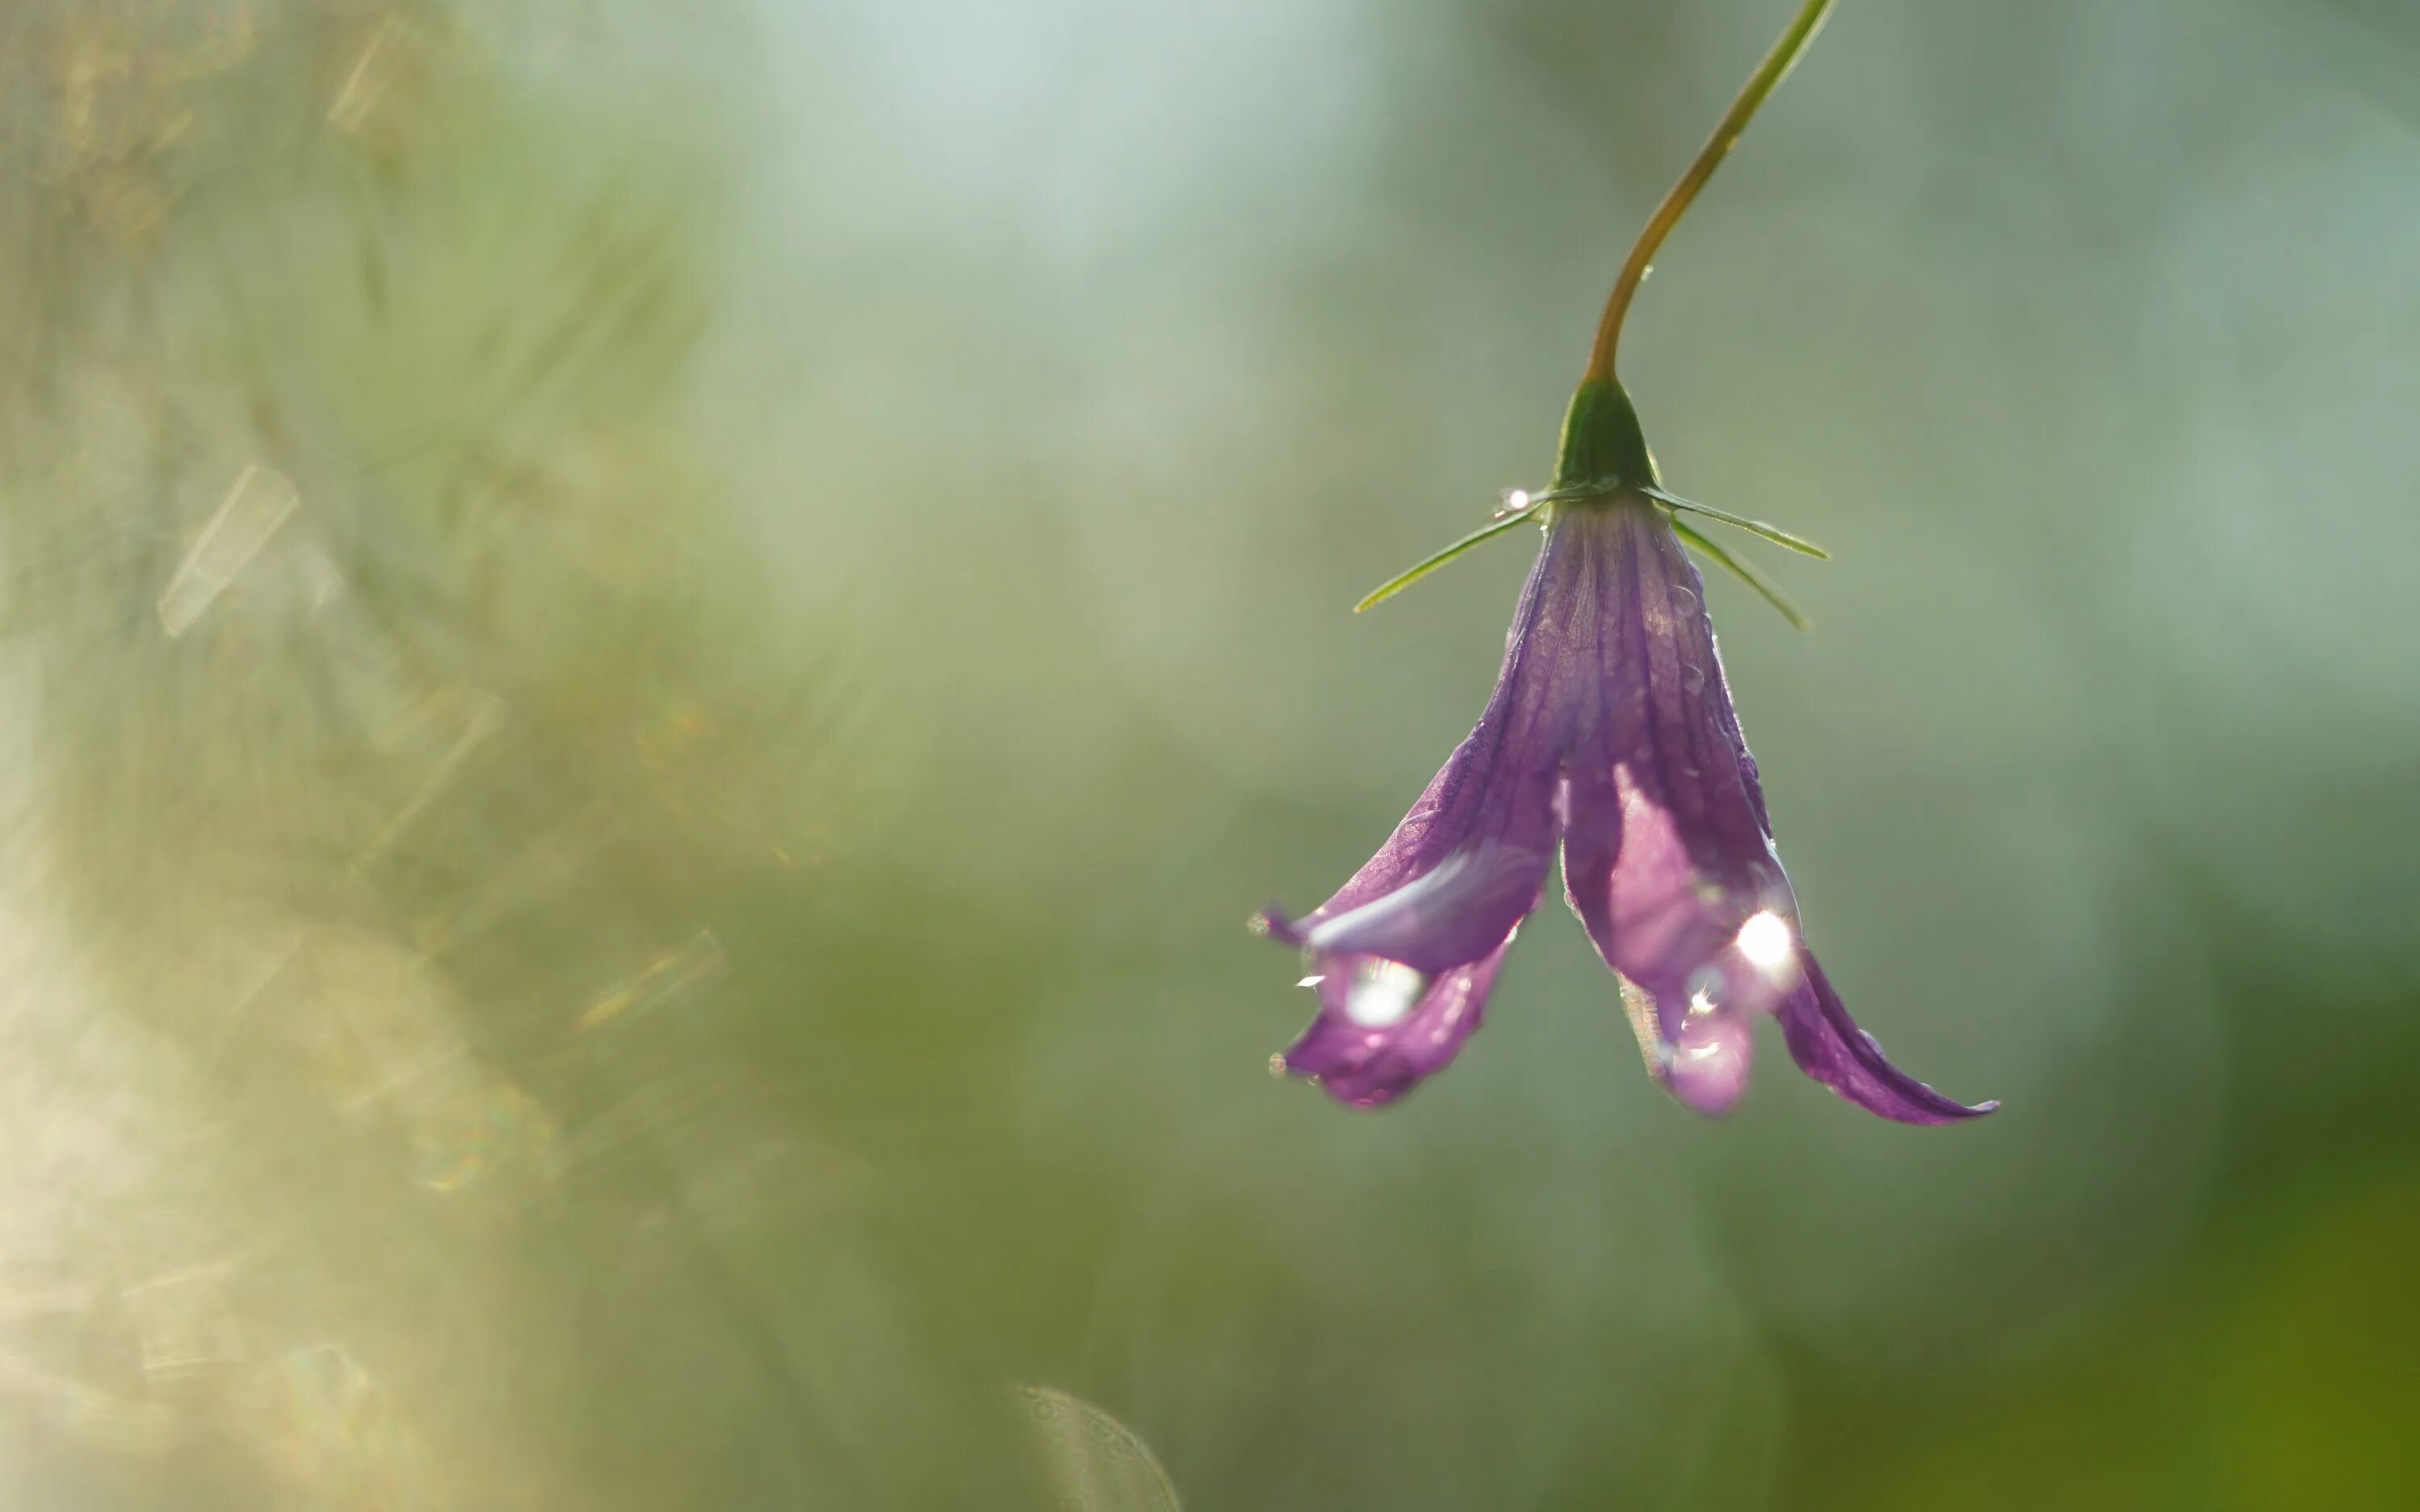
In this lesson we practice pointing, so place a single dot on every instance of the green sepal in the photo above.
(1603, 444)
(1411, 575)
(1754, 527)
(1763, 585)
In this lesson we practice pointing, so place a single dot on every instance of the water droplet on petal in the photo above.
(1693, 678)
(1383, 993)
(1685, 599)
(1708, 1069)
(1765, 939)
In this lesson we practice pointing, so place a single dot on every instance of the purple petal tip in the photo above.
(1273, 923)
(1830, 1047)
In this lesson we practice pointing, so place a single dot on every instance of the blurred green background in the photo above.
(651, 653)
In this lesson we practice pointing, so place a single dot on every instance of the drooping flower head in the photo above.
(1611, 741)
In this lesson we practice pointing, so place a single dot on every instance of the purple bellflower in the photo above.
(1610, 740)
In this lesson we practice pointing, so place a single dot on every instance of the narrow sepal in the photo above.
(1763, 585)
(1414, 574)
(1754, 527)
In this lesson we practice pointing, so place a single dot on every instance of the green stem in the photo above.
(1768, 75)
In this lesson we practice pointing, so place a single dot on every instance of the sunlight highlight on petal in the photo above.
(1765, 939)
(1383, 993)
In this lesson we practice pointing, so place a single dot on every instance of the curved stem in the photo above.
(1768, 75)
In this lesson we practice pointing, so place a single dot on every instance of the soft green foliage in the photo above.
(667, 931)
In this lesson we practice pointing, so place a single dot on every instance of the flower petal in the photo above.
(1657, 914)
(1405, 952)
(1828, 1045)
(1667, 854)
(1447, 917)
(1494, 794)
(1683, 742)
(1382, 1028)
